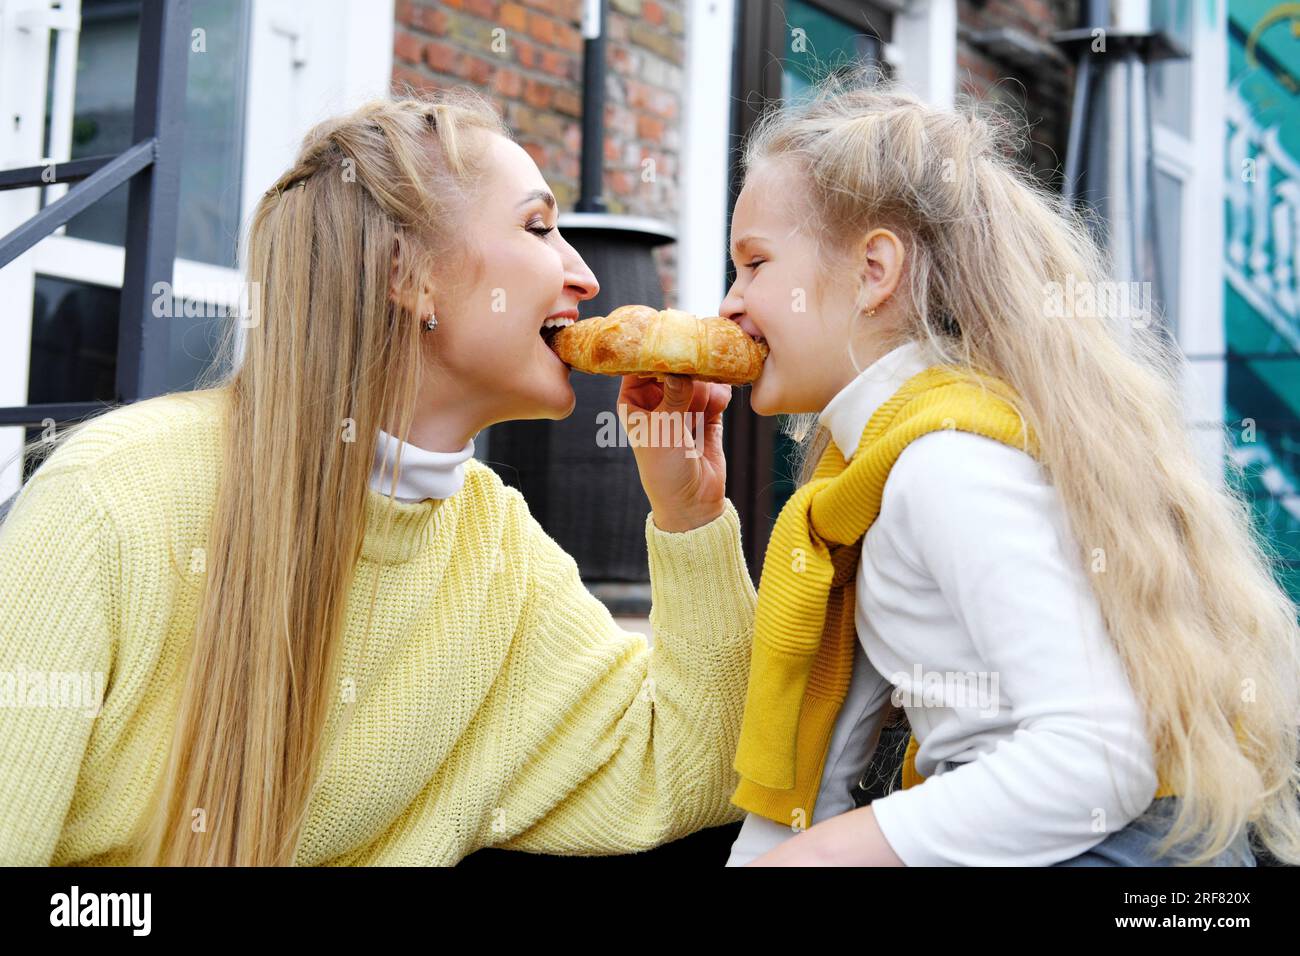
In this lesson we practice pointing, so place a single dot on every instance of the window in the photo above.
(214, 108)
(822, 42)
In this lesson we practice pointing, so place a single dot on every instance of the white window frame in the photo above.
(1197, 160)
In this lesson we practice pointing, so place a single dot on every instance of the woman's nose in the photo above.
(578, 277)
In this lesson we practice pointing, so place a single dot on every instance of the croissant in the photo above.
(639, 340)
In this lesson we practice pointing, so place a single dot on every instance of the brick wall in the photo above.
(1042, 91)
(526, 55)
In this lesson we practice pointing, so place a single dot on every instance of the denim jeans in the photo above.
(1135, 844)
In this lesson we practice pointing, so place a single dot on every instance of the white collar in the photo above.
(425, 473)
(847, 414)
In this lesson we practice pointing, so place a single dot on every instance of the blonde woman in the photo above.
(320, 644)
(999, 526)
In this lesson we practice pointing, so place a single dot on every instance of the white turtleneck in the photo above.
(425, 473)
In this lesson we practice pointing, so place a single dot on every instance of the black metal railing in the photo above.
(152, 168)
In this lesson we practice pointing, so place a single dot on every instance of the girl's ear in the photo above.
(881, 258)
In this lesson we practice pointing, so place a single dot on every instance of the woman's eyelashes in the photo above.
(536, 228)
(755, 264)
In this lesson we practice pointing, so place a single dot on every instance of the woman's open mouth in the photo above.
(551, 326)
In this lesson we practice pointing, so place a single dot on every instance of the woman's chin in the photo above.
(565, 409)
(552, 400)
(547, 393)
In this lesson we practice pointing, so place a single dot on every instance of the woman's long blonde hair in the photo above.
(1208, 638)
(377, 196)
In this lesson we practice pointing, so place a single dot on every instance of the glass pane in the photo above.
(1169, 216)
(1171, 80)
(74, 343)
(819, 43)
(214, 107)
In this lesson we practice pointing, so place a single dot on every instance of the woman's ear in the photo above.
(415, 298)
(394, 294)
(403, 295)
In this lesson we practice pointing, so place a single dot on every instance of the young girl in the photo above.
(317, 645)
(999, 526)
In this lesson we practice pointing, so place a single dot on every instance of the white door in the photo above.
(260, 72)
(27, 28)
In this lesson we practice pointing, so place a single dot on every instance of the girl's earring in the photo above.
(871, 311)
(430, 322)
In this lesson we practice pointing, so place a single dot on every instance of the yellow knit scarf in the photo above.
(804, 631)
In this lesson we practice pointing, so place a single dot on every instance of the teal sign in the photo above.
(1262, 259)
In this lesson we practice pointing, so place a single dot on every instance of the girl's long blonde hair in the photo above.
(1208, 638)
(376, 197)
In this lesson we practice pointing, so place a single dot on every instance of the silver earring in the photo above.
(430, 322)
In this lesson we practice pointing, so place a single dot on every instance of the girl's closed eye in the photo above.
(533, 227)
(756, 263)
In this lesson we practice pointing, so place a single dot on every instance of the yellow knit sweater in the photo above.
(498, 703)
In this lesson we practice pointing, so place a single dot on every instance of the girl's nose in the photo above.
(733, 307)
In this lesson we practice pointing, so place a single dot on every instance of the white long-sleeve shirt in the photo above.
(972, 600)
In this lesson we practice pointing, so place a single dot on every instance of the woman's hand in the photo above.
(675, 430)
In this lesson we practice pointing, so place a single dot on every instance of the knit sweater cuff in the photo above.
(699, 582)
